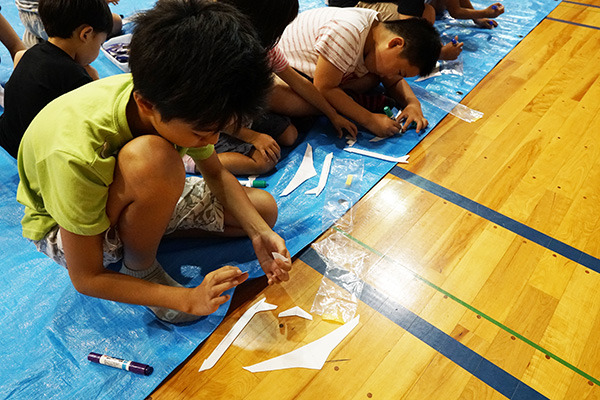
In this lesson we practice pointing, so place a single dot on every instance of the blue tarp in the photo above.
(48, 328)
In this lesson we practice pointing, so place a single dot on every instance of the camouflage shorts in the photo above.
(197, 208)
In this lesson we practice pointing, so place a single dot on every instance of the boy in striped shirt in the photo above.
(349, 49)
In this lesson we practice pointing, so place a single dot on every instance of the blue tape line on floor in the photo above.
(501, 220)
(581, 4)
(461, 355)
(573, 23)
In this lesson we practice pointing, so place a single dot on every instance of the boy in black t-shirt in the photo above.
(76, 30)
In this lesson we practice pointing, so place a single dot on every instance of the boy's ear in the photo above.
(144, 105)
(396, 42)
(85, 32)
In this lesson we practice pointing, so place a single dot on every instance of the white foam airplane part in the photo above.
(304, 172)
(403, 159)
(324, 175)
(311, 356)
(234, 332)
(296, 312)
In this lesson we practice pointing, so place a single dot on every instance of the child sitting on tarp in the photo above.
(392, 10)
(101, 172)
(34, 26)
(428, 9)
(49, 69)
(463, 9)
(256, 150)
(403, 9)
(350, 49)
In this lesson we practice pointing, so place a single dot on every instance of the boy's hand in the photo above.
(268, 147)
(494, 10)
(383, 126)
(206, 298)
(343, 126)
(115, 2)
(412, 113)
(485, 23)
(451, 50)
(264, 245)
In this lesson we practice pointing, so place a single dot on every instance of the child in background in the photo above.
(253, 152)
(463, 9)
(76, 29)
(349, 49)
(34, 27)
(9, 38)
(392, 10)
(101, 172)
(403, 9)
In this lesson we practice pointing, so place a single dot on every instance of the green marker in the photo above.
(388, 112)
(256, 183)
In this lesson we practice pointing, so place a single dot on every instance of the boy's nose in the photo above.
(213, 139)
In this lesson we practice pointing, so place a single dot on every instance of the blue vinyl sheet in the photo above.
(48, 328)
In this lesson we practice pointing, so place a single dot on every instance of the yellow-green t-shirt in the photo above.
(67, 158)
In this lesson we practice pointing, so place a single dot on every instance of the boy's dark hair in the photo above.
(422, 40)
(62, 17)
(270, 17)
(199, 61)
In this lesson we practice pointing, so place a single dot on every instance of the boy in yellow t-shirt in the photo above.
(101, 171)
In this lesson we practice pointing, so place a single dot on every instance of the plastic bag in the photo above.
(348, 264)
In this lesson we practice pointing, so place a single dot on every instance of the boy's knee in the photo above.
(117, 24)
(429, 14)
(265, 204)
(289, 136)
(150, 159)
(262, 164)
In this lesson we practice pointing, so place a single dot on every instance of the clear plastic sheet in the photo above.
(343, 281)
(458, 110)
(343, 191)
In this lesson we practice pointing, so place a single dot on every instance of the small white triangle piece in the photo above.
(311, 356)
(296, 312)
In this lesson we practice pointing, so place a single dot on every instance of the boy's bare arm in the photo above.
(235, 201)
(311, 94)
(89, 277)
(9, 38)
(403, 94)
(327, 80)
(265, 144)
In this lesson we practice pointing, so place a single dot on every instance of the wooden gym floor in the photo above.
(484, 273)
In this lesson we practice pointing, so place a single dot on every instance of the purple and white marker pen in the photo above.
(131, 366)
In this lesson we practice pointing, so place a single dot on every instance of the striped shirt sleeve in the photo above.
(277, 60)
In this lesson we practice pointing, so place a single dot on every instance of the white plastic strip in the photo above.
(324, 175)
(403, 159)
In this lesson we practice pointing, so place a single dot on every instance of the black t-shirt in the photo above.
(44, 73)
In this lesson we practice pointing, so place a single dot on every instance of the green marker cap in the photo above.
(388, 112)
(257, 183)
